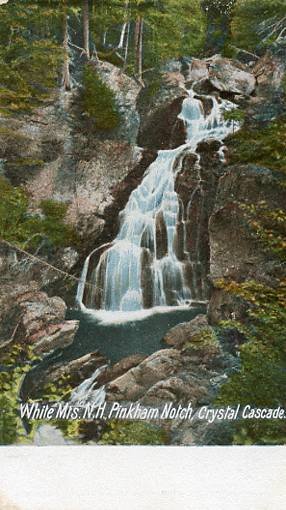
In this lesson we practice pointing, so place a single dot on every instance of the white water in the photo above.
(86, 393)
(149, 225)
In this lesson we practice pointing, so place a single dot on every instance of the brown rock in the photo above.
(229, 76)
(186, 331)
(134, 383)
(75, 371)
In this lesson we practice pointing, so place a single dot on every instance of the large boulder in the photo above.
(29, 316)
(229, 76)
(133, 384)
(187, 331)
(222, 74)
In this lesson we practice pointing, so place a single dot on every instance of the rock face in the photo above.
(62, 156)
(126, 90)
(196, 188)
(234, 252)
(159, 107)
(29, 316)
(269, 70)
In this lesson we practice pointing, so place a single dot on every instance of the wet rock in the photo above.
(74, 371)
(198, 70)
(196, 189)
(147, 278)
(160, 128)
(161, 236)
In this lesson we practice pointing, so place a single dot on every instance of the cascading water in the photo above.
(142, 268)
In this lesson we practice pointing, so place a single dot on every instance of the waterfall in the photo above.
(86, 393)
(142, 268)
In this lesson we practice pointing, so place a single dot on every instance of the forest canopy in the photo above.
(42, 42)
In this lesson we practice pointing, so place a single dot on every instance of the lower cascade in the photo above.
(144, 266)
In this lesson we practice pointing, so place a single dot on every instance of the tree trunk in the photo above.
(66, 66)
(85, 16)
(139, 47)
(126, 46)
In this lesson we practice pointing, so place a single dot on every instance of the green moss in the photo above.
(19, 227)
(265, 147)
(133, 433)
(204, 338)
(53, 225)
(25, 162)
(98, 101)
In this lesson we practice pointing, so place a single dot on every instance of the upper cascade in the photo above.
(142, 268)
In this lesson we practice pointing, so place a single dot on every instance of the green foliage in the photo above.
(171, 29)
(261, 381)
(236, 114)
(262, 146)
(11, 430)
(133, 433)
(205, 338)
(253, 22)
(16, 363)
(30, 54)
(24, 229)
(268, 226)
(98, 101)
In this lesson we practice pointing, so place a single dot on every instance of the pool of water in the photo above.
(119, 338)
(114, 337)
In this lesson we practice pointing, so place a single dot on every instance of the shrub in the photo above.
(98, 101)
(262, 146)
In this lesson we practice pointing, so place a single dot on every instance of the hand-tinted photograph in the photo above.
(142, 222)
